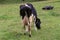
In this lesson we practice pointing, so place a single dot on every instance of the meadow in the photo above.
(11, 27)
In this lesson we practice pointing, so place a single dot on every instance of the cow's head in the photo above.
(38, 22)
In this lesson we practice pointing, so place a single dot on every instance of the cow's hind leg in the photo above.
(29, 29)
(25, 30)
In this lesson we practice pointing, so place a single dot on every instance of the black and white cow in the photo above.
(28, 12)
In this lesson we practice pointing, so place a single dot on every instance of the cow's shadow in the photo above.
(12, 35)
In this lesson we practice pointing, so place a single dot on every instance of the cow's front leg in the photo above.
(34, 19)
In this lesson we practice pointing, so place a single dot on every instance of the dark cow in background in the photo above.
(48, 8)
(29, 14)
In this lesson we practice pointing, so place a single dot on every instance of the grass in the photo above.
(11, 26)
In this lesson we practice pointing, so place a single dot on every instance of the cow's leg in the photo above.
(34, 18)
(30, 24)
(25, 22)
(24, 30)
(29, 29)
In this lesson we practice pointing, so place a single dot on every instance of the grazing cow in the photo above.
(29, 15)
(47, 8)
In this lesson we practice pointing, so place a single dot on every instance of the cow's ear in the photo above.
(39, 20)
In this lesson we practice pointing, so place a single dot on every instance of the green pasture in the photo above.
(11, 27)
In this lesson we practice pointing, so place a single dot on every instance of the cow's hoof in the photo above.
(29, 35)
(24, 33)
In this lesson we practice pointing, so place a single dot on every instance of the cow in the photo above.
(29, 15)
